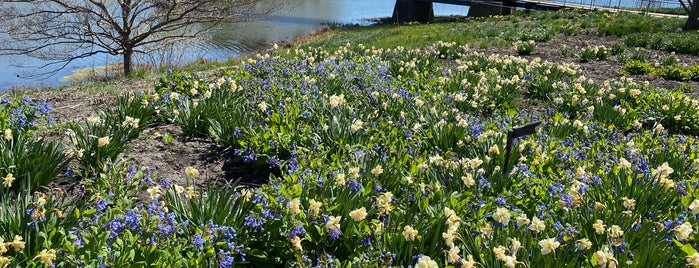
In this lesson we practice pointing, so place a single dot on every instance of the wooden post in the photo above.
(412, 11)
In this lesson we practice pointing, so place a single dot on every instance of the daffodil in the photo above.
(102, 141)
(426, 262)
(46, 256)
(358, 214)
(17, 243)
(409, 233)
(599, 227)
(549, 245)
(296, 243)
(7, 180)
(314, 207)
(191, 171)
(295, 206)
(333, 223)
(8, 134)
(502, 215)
(693, 260)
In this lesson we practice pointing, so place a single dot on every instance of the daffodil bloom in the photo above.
(453, 255)
(378, 228)
(7, 180)
(624, 164)
(333, 223)
(663, 171)
(3, 246)
(549, 245)
(515, 245)
(599, 227)
(378, 170)
(46, 256)
(693, 260)
(296, 243)
(426, 262)
(409, 233)
(358, 214)
(154, 192)
(694, 206)
(130, 122)
(190, 192)
(8, 134)
(605, 258)
(354, 172)
(468, 180)
(615, 231)
(683, 231)
(522, 219)
(510, 261)
(17, 243)
(262, 106)
(314, 207)
(336, 101)
(537, 225)
(583, 244)
(502, 215)
(340, 179)
(628, 203)
(102, 141)
(295, 206)
(356, 125)
(179, 189)
(469, 262)
(449, 237)
(5, 261)
(191, 171)
(499, 252)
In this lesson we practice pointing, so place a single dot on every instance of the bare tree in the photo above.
(61, 31)
(692, 8)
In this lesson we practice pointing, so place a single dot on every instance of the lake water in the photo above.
(239, 38)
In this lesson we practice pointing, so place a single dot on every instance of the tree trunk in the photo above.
(128, 53)
(477, 9)
(412, 11)
(692, 19)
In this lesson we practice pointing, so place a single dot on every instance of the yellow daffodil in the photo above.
(102, 141)
(7, 180)
(409, 233)
(358, 214)
(46, 256)
(191, 172)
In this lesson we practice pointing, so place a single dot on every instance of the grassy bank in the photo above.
(369, 146)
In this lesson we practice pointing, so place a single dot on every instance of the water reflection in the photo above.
(233, 39)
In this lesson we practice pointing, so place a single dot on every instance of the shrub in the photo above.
(99, 140)
(685, 88)
(617, 49)
(676, 73)
(636, 67)
(525, 48)
(596, 53)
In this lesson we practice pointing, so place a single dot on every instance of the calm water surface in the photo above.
(234, 39)
(241, 38)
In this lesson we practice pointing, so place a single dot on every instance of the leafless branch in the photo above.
(62, 31)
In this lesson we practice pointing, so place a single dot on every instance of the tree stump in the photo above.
(412, 11)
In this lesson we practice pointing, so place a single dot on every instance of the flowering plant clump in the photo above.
(388, 157)
(356, 151)
(524, 48)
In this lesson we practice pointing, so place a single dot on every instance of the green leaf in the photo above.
(686, 248)
(258, 253)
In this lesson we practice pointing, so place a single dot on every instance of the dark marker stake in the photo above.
(514, 133)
